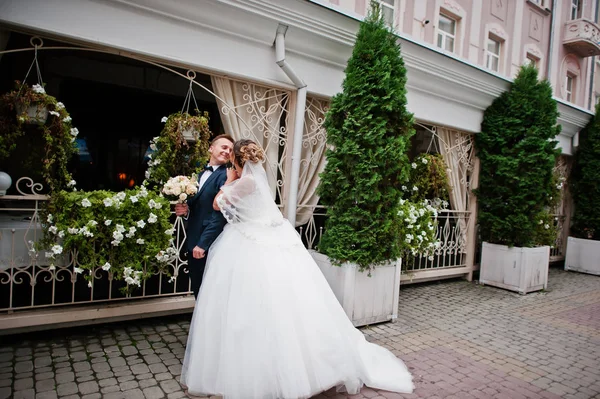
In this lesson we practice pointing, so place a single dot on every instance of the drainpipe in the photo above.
(299, 121)
(591, 94)
(551, 44)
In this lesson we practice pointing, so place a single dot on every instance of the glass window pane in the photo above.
(495, 61)
(388, 15)
(447, 24)
(440, 40)
(494, 46)
(449, 44)
(390, 2)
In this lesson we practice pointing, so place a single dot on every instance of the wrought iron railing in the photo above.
(29, 280)
(452, 235)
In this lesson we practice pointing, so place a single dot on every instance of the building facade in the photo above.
(266, 69)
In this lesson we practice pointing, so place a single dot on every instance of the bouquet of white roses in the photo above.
(179, 188)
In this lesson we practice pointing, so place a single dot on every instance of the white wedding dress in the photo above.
(266, 323)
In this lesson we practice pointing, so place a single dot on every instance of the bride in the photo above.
(266, 323)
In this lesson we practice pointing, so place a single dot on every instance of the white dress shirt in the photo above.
(206, 175)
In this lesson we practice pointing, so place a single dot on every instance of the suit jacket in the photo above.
(204, 223)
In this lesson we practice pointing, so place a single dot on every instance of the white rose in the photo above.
(182, 197)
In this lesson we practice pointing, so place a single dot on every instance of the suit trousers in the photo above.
(196, 267)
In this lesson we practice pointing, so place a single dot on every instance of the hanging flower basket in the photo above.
(29, 107)
(180, 149)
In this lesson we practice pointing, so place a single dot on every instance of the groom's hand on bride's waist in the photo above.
(198, 253)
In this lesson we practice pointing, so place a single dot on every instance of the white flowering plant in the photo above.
(127, 234)
(172, 155)
(179, 188)
(57, 131)
(418, 227)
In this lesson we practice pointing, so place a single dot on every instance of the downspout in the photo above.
(551, 44)
(591, 94)
(299, 121)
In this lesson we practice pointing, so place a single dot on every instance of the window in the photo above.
(446, 33)
(531, 60)
(540, 3)
(575, 9)
(569, 87)
(493, 54)
(387, 9)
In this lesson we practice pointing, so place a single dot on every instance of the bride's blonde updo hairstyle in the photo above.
(247, 150)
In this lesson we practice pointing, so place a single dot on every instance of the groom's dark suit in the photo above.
(204, 224)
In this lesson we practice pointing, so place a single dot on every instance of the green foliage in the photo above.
(428, 179)
(173, 155)
(57, 131)
(368, 132)
(585, 182)
(122, 233)
(518, 152)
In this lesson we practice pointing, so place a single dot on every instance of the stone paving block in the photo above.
(163, 376)
(22, 367)
(101, 367)
(96, 395)
(105, 374)
(129, 385)
(134, 394)
(45, 385)
(67, 388)
(46, 395)
(117, 361)
(148, 383)
(169, 386)
(25, 394)
(154, 393)
(65, 377)
(88, 387)
(110, 389)
(158, 368)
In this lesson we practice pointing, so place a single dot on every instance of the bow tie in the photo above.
(208, 167)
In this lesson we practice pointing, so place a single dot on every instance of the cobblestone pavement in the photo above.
(460, 340)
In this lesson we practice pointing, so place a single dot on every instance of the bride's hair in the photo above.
(247, 150)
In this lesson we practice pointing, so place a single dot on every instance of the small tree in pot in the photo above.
(368, 131)
(583, 248)
(517, 150)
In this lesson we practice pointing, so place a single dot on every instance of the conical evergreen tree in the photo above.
(368, 132)
(517, 150)
(585, 181)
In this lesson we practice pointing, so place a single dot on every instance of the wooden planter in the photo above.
(366, 300)
(517, 269)
(583, 255)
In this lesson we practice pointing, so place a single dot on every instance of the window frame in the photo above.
(489, 55)
(384, 4)
(445, 35)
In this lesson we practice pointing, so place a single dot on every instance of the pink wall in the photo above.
(522, 27)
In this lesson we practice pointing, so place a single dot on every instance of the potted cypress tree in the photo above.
(517, 150)
(583, 247)
(368, 133)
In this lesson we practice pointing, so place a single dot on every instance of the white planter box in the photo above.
(366, 300)
(583, 255)
(517, 269)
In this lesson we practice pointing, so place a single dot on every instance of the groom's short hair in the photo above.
(222, 136)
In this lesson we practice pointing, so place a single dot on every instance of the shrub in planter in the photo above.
(583, 245)
(517, 186)
(368, 133)
(585, 182)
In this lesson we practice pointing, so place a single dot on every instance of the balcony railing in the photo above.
(582, 36)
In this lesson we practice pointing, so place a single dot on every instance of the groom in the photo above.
(204, 223)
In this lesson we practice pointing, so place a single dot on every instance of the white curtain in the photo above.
(456, 148)
(250, 111)
(312, 163)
